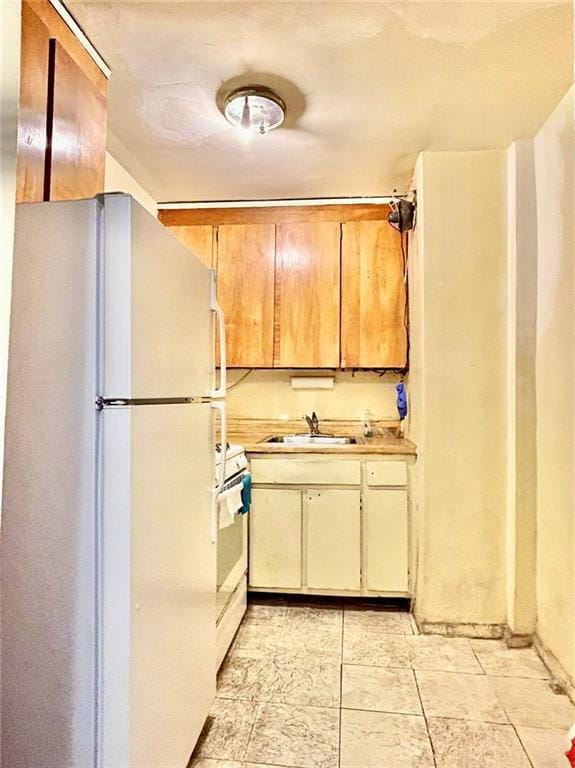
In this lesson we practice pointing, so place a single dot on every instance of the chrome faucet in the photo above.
(313, 423)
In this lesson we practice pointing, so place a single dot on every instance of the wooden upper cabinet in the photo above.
(245, 265)
(373, 330)
(304, 287)
(78, 132)
(32, 108)
(199, 240)
(307, 295)
(62, 111)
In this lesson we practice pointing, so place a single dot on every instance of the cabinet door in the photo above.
(32, 108)
(78, 132)
(198, 239)
(245, 264)
(307, 295)
(373, 330)
(386, 540)
(333, 539)
(275, 539)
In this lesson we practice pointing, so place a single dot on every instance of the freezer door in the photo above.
(157, 323)
(157, 584)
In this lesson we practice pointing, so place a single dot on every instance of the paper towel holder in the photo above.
(312, 382)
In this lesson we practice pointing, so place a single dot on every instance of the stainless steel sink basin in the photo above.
(311, 440)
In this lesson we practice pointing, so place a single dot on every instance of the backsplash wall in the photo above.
(267, 394)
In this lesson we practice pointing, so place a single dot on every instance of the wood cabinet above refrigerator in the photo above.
(324, 288)
(62, 111)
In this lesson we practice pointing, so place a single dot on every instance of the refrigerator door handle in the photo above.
(222, 408)
(221, 390)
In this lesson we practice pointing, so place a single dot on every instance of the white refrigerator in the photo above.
(107, 546)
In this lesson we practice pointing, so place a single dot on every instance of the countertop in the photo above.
(251, 433)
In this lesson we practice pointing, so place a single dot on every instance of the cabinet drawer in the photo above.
(306, 471)
(386, 473)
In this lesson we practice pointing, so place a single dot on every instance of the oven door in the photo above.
(232, 559)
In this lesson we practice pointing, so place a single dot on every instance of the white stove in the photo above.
(232, 556)
(236, 460)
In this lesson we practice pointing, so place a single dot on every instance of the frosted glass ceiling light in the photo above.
(256, 109)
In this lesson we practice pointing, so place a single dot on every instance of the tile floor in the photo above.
(315, 687)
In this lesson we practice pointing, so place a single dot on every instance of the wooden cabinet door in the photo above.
(333, 540)
(33, 106)
(199, 240)
(307, 295)
(78, 132)
(386, 533)
(245, 267)
(373, 330)
(275, 539)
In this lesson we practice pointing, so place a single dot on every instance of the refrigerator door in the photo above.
(157, 583)
(157, 323)
(48, 533)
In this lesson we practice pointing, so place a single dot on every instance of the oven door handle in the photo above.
(220, 406)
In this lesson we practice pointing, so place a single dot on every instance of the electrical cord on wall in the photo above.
(405, 256)
(239, 381)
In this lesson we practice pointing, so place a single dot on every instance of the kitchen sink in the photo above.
(311, 440)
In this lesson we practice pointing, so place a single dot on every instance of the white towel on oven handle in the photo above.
(230, 504)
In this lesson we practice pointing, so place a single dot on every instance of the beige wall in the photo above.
(457, 384)
(268, 394)
(554, 165)
(415, 385)
(521, 407)
(492, 387)
(10, 11)
(117, 179)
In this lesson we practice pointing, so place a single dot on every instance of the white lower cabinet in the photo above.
(308, 536)
(333, 539)
(275, 540)
(386, 540)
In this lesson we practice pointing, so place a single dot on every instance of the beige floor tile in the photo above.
(446, 654)
(314, 683)
(244, 678)
(228, 730)
(466, 697)
(465, 744)
(380, 689)
(307, 682)
(496, 659)
(263, 613)
(533, 703)
(295, 736)
(382, 740)
(270, 624)
(271, 620)
(208, 762)
(368, 646)
(388, 622)
(546, 747)
(299, 644)
(306, 615)
(299, 656)
(256, 640)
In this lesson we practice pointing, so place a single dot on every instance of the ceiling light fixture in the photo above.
(255, 108)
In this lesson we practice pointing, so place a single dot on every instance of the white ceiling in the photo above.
(368, 85)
